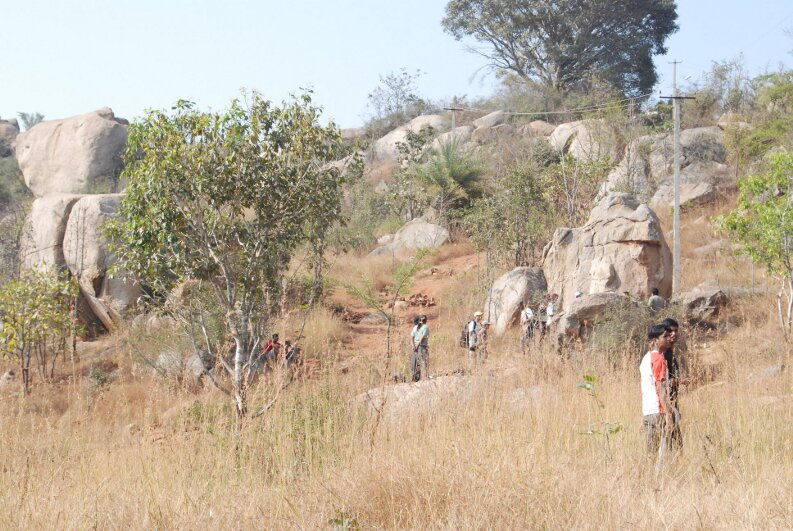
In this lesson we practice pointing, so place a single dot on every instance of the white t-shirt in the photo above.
(526, 315)
(473, 333)
(651, 402)
(550, 311)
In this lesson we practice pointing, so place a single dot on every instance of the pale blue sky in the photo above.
(66, 57)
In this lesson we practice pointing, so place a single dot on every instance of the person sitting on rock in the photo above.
(656, 302)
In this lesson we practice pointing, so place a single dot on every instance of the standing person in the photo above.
(656, 302)
(675, 369)
(414, 347)
(420, 361)
(656, 407)
(474, 333)
(527, 325)
(550, 310)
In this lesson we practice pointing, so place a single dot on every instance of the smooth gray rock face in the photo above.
(522, 284)
(81, 154)
(620, 248)
(42, 237)
(88, 257)
(416, 234)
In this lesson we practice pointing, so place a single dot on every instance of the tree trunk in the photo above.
(239, 330)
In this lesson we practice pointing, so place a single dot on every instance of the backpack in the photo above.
(463, 342)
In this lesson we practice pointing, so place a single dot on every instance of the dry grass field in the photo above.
(515, 444)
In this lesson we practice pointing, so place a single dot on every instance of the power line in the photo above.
(626, 102)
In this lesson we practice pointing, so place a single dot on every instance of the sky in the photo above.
(67, 57)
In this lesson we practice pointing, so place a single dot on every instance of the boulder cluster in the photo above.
(69, 165)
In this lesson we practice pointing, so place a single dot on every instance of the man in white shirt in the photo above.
(657, 409)
(527, 325)
(474, 333)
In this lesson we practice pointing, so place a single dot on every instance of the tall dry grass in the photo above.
(510, 452)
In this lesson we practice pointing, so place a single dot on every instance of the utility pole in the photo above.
(677, 274)
(454, 110)
(677, 271)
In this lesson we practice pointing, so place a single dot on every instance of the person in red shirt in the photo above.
(272, 349)
(657, 409)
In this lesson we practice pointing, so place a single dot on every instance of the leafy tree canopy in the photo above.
(564, 44)
(227, 199)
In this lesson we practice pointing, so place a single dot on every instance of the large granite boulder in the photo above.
(75, 155)
(631, 174)
(586, 140)
(699, 183)
(9, 130)
(519, 285)
(587, 309)
(89, 258)
(702, 303)
(41, 244)
(491, 120)
(620, 249)
(485, 135)
(416, 234)
(386, 147)
(538, 128)
(459, 135)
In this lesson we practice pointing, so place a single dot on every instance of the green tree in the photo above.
(30, 119)
(763, 223)
(36, 321)
(451, 177)
(562, 44)
(227, 199)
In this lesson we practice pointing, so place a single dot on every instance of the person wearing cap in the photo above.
(474, 338)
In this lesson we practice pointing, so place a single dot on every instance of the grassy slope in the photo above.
(138, 453)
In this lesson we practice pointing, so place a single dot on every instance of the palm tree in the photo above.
(451, 176)
(30, 119)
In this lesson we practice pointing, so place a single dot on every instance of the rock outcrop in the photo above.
(386, 147)
(702, 303)
(647, 166)
(620, 248)
(459, 135)
(416, 234)
(88, 258)
(522, 284)
(587, 309)
(41, 244)
(75, 155)
(586, 140)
